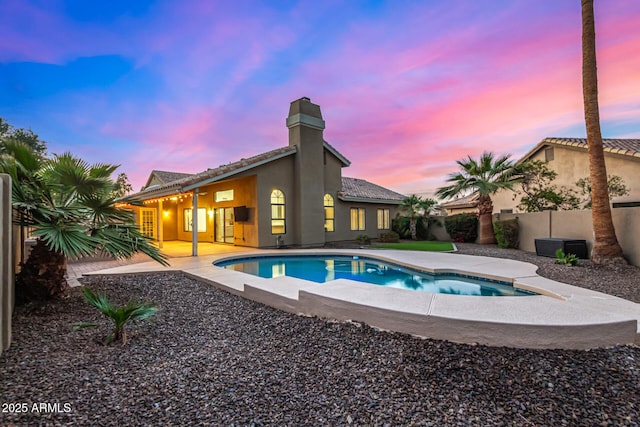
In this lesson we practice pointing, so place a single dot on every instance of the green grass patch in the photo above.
(418, 246)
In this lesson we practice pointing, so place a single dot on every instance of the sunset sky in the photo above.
(406, 87)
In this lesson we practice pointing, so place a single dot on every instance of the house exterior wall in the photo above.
(571, 164)
(303, 175)
(244, 194)
(278, 174)
(343, 220)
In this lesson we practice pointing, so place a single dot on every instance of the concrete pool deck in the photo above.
(562, 316)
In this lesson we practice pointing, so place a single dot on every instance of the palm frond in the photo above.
(66, 238)
(125, 240)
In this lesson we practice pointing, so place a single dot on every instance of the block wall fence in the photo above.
(572, 225)
(6, 262)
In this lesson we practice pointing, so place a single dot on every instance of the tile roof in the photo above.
(223, 171)
(624, 147)
(359, 190)
(469, 201)
(189, 182)
(166, 176)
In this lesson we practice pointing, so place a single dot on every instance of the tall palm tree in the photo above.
(412, 205)
(485, 177)
(606, 248)
(69, 206)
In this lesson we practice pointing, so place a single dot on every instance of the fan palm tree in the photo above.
(412, 206)
(486, 177)
(69, 206)
(606, 248)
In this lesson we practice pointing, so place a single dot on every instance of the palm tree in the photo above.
(605, 244)
(485, 177)
(69, 206)
(412, 205)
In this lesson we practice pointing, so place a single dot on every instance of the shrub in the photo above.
(506, 232)
(119, 315)
(569, 260)
(462, 227)
(400, 225)
(363, 239)
(389, 237)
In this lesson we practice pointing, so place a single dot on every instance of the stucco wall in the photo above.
(277, 174)
(343, 220)
(6, 262)
(578, 225)
(244, 194)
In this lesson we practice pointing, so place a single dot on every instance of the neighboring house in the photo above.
(294, 195)
(466, 204)
(569, 158)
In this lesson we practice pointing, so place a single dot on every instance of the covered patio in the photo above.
(179, 249)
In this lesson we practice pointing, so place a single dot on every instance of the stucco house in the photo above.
(294, 196)
(463, 204)
(569, 158)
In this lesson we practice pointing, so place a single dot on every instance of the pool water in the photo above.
(322, 269)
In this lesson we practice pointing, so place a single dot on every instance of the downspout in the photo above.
(194, 223)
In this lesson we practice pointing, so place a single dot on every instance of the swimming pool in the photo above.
(323, 268)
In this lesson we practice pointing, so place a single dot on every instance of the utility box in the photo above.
(548, 247)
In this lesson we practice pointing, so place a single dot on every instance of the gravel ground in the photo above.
(621, 281)
(212, 358)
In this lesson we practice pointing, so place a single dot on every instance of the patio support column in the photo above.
(194, 223)
(160, 224)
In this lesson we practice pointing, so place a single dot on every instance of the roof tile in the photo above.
(355, 188)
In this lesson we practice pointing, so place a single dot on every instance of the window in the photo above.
(357, 218)
(329, 213)
(277, 212)
(383, 219)
(224, 196)
(548, 154)
(202, 220)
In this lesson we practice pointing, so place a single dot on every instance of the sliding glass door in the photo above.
(224, 225)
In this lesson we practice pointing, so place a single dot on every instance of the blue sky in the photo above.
(405, 87)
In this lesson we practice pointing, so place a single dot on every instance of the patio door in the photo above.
(148, 222)
(224, 225)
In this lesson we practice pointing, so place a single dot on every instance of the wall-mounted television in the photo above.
(241, 213)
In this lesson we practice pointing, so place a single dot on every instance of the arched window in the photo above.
(329, 213)
(277, 212)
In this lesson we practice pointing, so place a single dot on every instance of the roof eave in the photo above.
(225, 175)
(369, 200)
(336, 153)
(161, 192)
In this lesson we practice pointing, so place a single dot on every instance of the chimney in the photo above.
(305, 132)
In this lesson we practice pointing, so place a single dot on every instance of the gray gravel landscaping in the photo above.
(212, 358)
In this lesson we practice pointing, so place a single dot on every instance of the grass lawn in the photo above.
(418, 246)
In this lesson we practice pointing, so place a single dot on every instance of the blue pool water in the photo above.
(323, 269)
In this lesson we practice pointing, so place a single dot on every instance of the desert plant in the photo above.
(485, 176)
(418, 210)
(462, 227)
(569, 260)
(119, 315)
(507, 233)
(402, 226)
(69, 206)
(363, 239)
